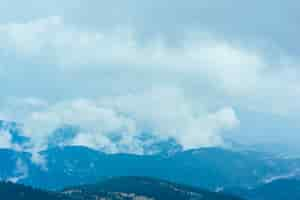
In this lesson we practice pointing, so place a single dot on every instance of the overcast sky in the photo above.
(196, 71)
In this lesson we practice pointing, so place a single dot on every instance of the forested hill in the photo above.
(146, 188)
(10, 191)
(123, 188)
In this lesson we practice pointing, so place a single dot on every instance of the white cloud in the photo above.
(70, 47)
(15, 109)
(242, 75)
(37, 158)
(166, 113)
(214, 74)
(35, 102)
(96, 141)
(226, 118)
(29, 38)
(5, 140)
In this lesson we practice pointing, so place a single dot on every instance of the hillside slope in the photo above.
(10, 191)
(277, 190)
(125, 188)
(145, 188)
(211, 168)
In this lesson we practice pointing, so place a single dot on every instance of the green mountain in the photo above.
(10, 191)
(210, 168)
(144, 188)
(123, 188)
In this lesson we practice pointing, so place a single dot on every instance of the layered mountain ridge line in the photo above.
(118, 188)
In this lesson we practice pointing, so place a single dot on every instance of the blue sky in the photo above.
(196, 71)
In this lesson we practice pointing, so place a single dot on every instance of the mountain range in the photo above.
(120, 188)
(235, 170)
(211, 168)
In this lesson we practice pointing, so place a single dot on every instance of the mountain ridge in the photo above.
(118, 188)
(201, 167)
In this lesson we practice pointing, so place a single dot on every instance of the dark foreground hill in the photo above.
(145, 188)
(125, 188)
(10, 191)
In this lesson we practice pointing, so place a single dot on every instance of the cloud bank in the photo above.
(109, 81)
(165, 113)
(229, 69)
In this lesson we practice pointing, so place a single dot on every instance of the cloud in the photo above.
(37, 158)
(165, 113)
(249, 23)
(28, 38)
(70, 47)
(15, 109)
(102, 80)
(242, 75)
(5, 140)
(168, 113)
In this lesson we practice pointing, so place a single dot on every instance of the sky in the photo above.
(196, 71)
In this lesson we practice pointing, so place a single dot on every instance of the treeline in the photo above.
(10, 191)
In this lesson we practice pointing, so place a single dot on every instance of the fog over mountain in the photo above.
(151, 80)
(192, 72)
